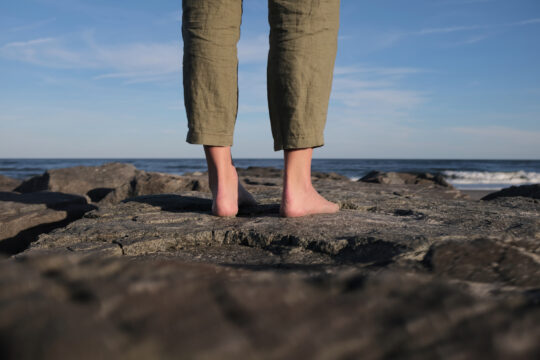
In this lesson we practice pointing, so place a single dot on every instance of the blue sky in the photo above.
(413, 79)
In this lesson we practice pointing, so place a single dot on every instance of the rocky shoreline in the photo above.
(115, 262)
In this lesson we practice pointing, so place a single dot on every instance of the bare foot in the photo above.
(299, 196)
(224, 187)
(307, 201)
(226, 200)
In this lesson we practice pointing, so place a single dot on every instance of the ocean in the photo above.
(463, 174)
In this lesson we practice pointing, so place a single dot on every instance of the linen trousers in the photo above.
(303, 47)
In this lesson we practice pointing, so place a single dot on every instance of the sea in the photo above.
(463, 174)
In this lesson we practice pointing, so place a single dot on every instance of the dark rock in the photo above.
(402, 271)
(111, 183)
(270, 172)
(148, 183)
(81, 179)
(25, 216)
(7, 183)
(396, 178)
(75, 307)
(329, 176)
(485, 260)
(260, 171)
(530, 191)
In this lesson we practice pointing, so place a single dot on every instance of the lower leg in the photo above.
(227, 192)
(222, 179)
(299, 196)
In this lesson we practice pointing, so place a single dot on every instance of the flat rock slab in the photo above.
(530, 191)
(7, 183)
(401, 271)
(24, 216)
(389, 229)
(110, 183)
(83, 307)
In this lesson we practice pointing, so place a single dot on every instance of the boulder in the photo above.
(23, 217)
(77, 307)
(8, 184)
(270, 172)
(396, 178)
(402, 271)
(529, 191)
(111, 183)
(93, 181)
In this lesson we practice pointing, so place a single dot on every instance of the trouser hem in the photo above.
(195, 137)
(300, 142)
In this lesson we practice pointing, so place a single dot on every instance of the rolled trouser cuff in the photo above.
(299, 142)
(195, 137)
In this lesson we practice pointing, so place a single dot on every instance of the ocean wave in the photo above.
(491, 177)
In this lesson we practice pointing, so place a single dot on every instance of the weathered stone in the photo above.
(111, 183)
(73, 306)
(92, 181)
(24, 216)
(148, 183)
(486, 260)
(402, 271)
(7, 183)
(530, 191)
(270, 172)
(396, 178)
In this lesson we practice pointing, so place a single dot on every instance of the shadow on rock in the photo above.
(26, 216)
(181, 203)
(175, 203)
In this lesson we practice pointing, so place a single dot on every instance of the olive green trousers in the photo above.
(303, 46)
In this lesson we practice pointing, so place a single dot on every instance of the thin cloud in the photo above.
(33, 25)
(375, 92)
(450, 29)
(134, 62)
(144, 62)
(528, 22)
(394, 37)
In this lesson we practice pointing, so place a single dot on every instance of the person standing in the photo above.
(303, 47)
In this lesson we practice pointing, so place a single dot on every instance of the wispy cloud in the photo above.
(253, 49)
(461, 2)
(134, 61)
(394, 37)
(445, 30)
(527, 22)
(376, 92)
(32, 25)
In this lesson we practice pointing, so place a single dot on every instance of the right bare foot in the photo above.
(299, 196)
(305, 201)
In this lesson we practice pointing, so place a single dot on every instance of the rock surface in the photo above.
(402, 271)
(7, 183)
(396, 178)
(530, 191)
(24, 216)
(110, 183)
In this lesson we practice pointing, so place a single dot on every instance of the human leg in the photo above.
(211, 30)
(299, 197)
(303, 46)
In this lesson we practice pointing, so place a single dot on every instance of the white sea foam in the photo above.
(487, 180)
(488, 177)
